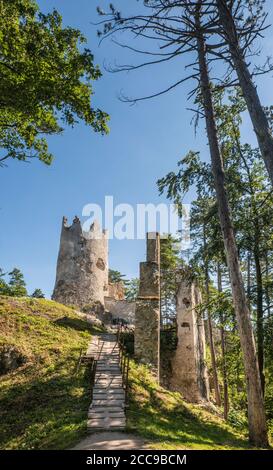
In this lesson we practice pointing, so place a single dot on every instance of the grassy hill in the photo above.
(42, 403)
(168, 422)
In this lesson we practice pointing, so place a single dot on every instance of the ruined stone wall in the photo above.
(82, 266)
(147, 314)
(116, 290)
(188, 367)
(121, 309)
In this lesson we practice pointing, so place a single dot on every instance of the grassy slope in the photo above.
(43, 404)
(168, 422)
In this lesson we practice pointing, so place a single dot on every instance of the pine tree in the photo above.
(38, 294)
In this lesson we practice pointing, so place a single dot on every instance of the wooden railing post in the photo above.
(124, 362)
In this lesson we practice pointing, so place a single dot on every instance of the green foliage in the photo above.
(116, 276)
(38, 294)
(43, 404)
(191, 171)
(251, 201)
(132, 288)
(46, 79)
(127, 339)
(4, 288)
(169, 253)
(17, 283)
(170, 267)
(237, 418)
(16, 286)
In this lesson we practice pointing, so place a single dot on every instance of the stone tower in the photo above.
(147, 311)
(82, 266)
(189, 371)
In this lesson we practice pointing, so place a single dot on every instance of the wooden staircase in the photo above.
(107, 410)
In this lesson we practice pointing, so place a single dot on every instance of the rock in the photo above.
(10, 359)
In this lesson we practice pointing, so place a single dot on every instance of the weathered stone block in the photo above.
(147, 313)
(149, 286)
(189, 373)
(147, 331)
(153, 247)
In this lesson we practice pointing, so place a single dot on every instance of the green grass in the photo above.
(43, 404)
(168, 422)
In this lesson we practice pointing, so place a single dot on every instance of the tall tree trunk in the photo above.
(160, 300)
(255, 109)
(223, 349)
(249, 279)
(267, 295)
(260, 319)
(256, 412)
(210, 329)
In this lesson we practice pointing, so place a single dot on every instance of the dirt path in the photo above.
(111, 441)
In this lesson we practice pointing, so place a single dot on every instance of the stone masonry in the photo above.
(188, 367)
(120, 309)
(82, 267)
(147, 312)
(82, 281)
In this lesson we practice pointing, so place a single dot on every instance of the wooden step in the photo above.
(94, 414)
(99, 409)
(106, 411)
(95, 425)
(108, 398)
(110, 392)
(107, 403)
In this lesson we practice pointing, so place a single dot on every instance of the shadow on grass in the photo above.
(76, 323)
(79, 325)
(46, 412)
(178, 426)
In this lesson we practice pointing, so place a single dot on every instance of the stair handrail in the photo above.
(99, 354)
(124, 362)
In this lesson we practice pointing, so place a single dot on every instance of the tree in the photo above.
(4, 288)
(252, 203)
(203, 232)
(255, 212)
(251, 199)
(222, 313)
(17, 285)
(210, 326)
(116, 276)
(242, 21)
(38, 294)
(45, 80)
(182, 28)
(256, 413)
(132, 288)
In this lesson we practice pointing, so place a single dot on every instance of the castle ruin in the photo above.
(82, 266)
(147, 314)
(188, 367)
(82, 281)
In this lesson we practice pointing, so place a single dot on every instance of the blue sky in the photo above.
(145, 142)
